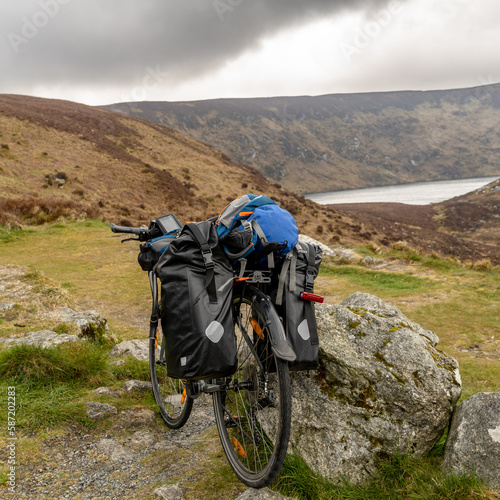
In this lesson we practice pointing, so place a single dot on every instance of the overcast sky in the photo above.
(105, 51)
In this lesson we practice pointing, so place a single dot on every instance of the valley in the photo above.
(65, 160)
(340, 141)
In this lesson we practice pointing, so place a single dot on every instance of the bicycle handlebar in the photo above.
(124, 229)
(142, 233)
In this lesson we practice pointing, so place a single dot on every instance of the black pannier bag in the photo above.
(297, 275)
(196, 305)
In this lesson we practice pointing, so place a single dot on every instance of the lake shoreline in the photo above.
(415, 193)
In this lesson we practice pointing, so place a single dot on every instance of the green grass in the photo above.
(10, 235)
(377, 282)
(38, 367)
(132, 369)
(51, 383)
(94, 265)
(397, 478)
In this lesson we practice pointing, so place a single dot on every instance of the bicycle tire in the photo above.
(253, 418)
(170, 394)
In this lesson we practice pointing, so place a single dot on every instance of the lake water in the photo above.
(418, 193)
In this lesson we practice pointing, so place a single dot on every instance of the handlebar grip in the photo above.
(123, 229)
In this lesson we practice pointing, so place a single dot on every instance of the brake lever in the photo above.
(130, 239)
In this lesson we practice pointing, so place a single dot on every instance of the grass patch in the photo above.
(38, 367)
(397, 477)
(132, 369)
(48, 407)
(377, 281)
(92, 263)
(51, 383)
(8, 235)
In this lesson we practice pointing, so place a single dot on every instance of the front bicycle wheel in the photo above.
(253, 408)
(170, 394)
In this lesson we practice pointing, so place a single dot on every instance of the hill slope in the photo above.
(330, 142)
(467, 226)
(62, 158)
(59, 158)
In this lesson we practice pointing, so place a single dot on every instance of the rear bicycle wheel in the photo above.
(170, 394)
(253, 408)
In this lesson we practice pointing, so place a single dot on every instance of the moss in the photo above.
(358, 396)
(359, 311)
(361, 334)
(398, 377)
(394, 328)
(354, 324)
(416, 378)
(375, 442)
(378, 356)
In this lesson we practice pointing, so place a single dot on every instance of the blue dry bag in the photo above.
(256, 228)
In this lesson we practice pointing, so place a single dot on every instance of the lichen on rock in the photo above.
(386, 391)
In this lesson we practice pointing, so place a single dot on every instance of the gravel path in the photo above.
(128, 461)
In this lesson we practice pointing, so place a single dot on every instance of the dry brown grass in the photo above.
(124, 170)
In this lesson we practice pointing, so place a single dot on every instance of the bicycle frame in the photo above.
(279, 343)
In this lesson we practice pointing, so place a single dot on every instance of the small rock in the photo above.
(138, 348)
(137, 417)
(92, 325)
(262, 494)
(132, 386)
(42, 338)
(107, 392)
(142, 439)
(164, 445)
(345, 254)
(98, 411)
(115, 451)
(169, 492)
(118, 362)
(474, 438)
(4, 306)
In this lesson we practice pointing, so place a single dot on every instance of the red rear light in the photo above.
(312, 297)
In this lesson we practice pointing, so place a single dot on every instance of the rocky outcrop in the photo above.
(473, 443)
(98, 411)
(382, 387)
(132, 386)
(138, 348)
(338, 253)
(92, 325)
(43, 338)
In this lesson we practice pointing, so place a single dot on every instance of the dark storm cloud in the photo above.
(117, 42)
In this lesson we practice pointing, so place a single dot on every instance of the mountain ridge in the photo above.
(341, 141)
